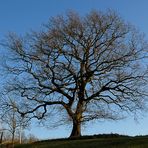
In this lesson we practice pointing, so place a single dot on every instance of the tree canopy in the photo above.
(81, 67)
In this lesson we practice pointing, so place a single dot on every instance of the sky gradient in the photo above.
(21, 16)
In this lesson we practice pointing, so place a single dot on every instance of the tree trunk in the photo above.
(1, 140)
(76, 130)
(77, 120)
(12, 140)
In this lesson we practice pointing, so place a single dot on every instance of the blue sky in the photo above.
(21, 16)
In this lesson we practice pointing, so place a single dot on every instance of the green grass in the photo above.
(93, 142)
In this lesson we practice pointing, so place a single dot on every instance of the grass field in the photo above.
(92, 142)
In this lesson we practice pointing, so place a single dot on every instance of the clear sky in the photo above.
(21, 16)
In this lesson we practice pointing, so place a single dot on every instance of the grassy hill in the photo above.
(97, 141)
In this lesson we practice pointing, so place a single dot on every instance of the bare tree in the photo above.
(1, 135)
(11, 120)
(90, 67)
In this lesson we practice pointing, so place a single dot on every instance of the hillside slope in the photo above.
(92, 142)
